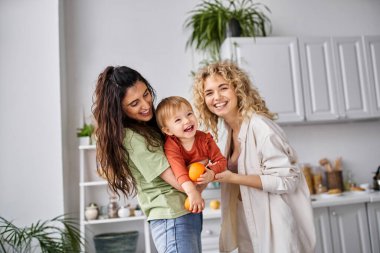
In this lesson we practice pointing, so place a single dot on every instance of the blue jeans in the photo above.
(179, 235)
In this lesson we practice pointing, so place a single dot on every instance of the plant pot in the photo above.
(122, 242)
(84, 141)
(233, 28)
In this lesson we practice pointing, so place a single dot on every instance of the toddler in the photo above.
(185, 144)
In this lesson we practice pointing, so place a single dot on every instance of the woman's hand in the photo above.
(225, 176)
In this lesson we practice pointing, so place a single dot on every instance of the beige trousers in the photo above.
(244, 241)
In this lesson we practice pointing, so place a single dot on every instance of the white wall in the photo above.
(31, 186)
(358, 143)
(324, 17)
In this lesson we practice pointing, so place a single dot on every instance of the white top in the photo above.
(279, 217)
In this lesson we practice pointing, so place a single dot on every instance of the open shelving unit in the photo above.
(92, 188)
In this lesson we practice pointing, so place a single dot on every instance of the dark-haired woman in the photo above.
(130, 154)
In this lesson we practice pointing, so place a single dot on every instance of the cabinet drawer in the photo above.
(210, 235)
(211, 228)
(210, 244)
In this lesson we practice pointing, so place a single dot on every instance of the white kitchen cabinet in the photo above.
(352, 80)
(312, 78)
(342, 229)
(322, 230)
(335, 78)
(349, 228)
(274, 68)
(210, 235)
(373, 210)
(372, 58)
(318, 79)
(94, 189)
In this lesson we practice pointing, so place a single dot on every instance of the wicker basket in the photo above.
(122, 242)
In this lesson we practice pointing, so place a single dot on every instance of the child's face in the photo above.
(182, 124)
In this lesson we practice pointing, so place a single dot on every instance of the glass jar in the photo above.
(113, 207)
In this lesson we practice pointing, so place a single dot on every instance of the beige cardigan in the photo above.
(279, 217)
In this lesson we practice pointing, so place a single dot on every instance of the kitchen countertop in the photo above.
(346, 198)
(321, 200)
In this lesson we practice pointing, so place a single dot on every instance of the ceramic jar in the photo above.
(124, 212)
(91, 212)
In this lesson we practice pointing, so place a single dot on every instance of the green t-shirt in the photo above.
(157, 199)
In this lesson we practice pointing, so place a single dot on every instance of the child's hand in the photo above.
(224, 177)
(197, 204)
(206, 177)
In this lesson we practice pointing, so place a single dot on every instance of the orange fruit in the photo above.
(195, 170)
(187, 204)
(215, 204)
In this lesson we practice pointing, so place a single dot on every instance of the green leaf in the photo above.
(86, 130)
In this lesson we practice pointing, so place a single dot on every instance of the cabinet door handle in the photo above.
(333, 213)
(208, 232)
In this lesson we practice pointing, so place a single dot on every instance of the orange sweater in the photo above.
(204, 148)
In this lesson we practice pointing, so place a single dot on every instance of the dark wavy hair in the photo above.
(111, 121)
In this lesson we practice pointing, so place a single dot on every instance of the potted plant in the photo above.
(85, 133)
(212, 21)
(58, 235)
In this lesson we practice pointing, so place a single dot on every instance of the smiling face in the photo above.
(220, 97)
(182, 123)
(138, 102)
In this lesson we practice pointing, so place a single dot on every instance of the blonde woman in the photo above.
(266, 205)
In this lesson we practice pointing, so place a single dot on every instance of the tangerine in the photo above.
(187, 204)
(196, 170)
(215, 204)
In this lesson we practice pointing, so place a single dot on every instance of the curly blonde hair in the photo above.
(249, 99)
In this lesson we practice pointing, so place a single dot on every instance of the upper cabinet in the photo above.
(372, 57)
(352, 80)
(312, 78)
(318, 79)
(273, 66)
